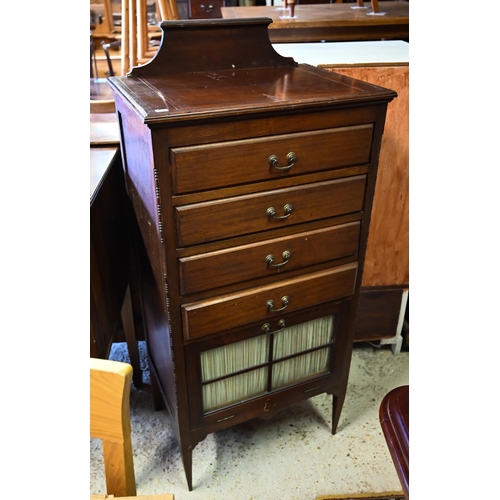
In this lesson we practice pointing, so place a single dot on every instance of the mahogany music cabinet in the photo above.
(252, 179)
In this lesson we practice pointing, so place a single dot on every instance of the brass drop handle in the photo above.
(271, 212)
(209, 9)
(286, 258)
(267, 327)
(290, 158)
(270, 304)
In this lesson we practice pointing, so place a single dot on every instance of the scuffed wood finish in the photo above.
(330, 22)
(387, 256)
(216, 89)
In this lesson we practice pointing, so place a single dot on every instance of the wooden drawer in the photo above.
(234, 310)
(205, 9)
(197, 168)
(246, 262)
(215, 220)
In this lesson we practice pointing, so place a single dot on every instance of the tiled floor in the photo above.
(292, 456)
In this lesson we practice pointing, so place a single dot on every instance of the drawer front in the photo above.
(225, 164)
(205, 9)
(240, 215)
(267, 258)
(264, 303)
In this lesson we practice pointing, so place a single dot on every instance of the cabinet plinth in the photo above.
(252, 180)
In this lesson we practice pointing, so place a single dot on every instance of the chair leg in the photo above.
(125, 52)
(120, 480)
(93, 60)
(106, 46)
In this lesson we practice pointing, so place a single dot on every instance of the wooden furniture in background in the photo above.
(252, 276)
(110, 422)
(104, 130)
(111, 258)
(394, 414)
(385, 285)
(205, 9)
(134, 33)
(101, 97)
(330, 22)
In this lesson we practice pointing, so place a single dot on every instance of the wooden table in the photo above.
(331, 22)
(101, 97)
(111, 264)
(104, 130)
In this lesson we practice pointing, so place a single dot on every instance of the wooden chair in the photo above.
(110, 421)
(135, 47)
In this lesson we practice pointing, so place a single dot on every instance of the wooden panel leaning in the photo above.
(110, 421)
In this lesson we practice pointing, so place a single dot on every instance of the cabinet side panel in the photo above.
(141, 183)
(158, 337)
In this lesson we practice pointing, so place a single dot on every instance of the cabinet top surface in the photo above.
(227, 68)
(232, 92)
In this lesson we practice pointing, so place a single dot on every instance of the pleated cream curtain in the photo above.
(253, 352)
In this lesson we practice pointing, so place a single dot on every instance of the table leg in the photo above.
(130, 337)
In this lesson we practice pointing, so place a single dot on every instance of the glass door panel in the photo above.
(233, 389)
(240, 370)
(233, 358)
(300, 367)
(302, 337)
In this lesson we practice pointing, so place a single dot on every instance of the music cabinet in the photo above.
(252, 180)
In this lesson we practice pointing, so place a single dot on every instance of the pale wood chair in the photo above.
(110, 421)
(135, 48)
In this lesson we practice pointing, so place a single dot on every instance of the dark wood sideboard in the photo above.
(252, 180)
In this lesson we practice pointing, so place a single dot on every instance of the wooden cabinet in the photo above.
(205, 9)
(252, 179)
